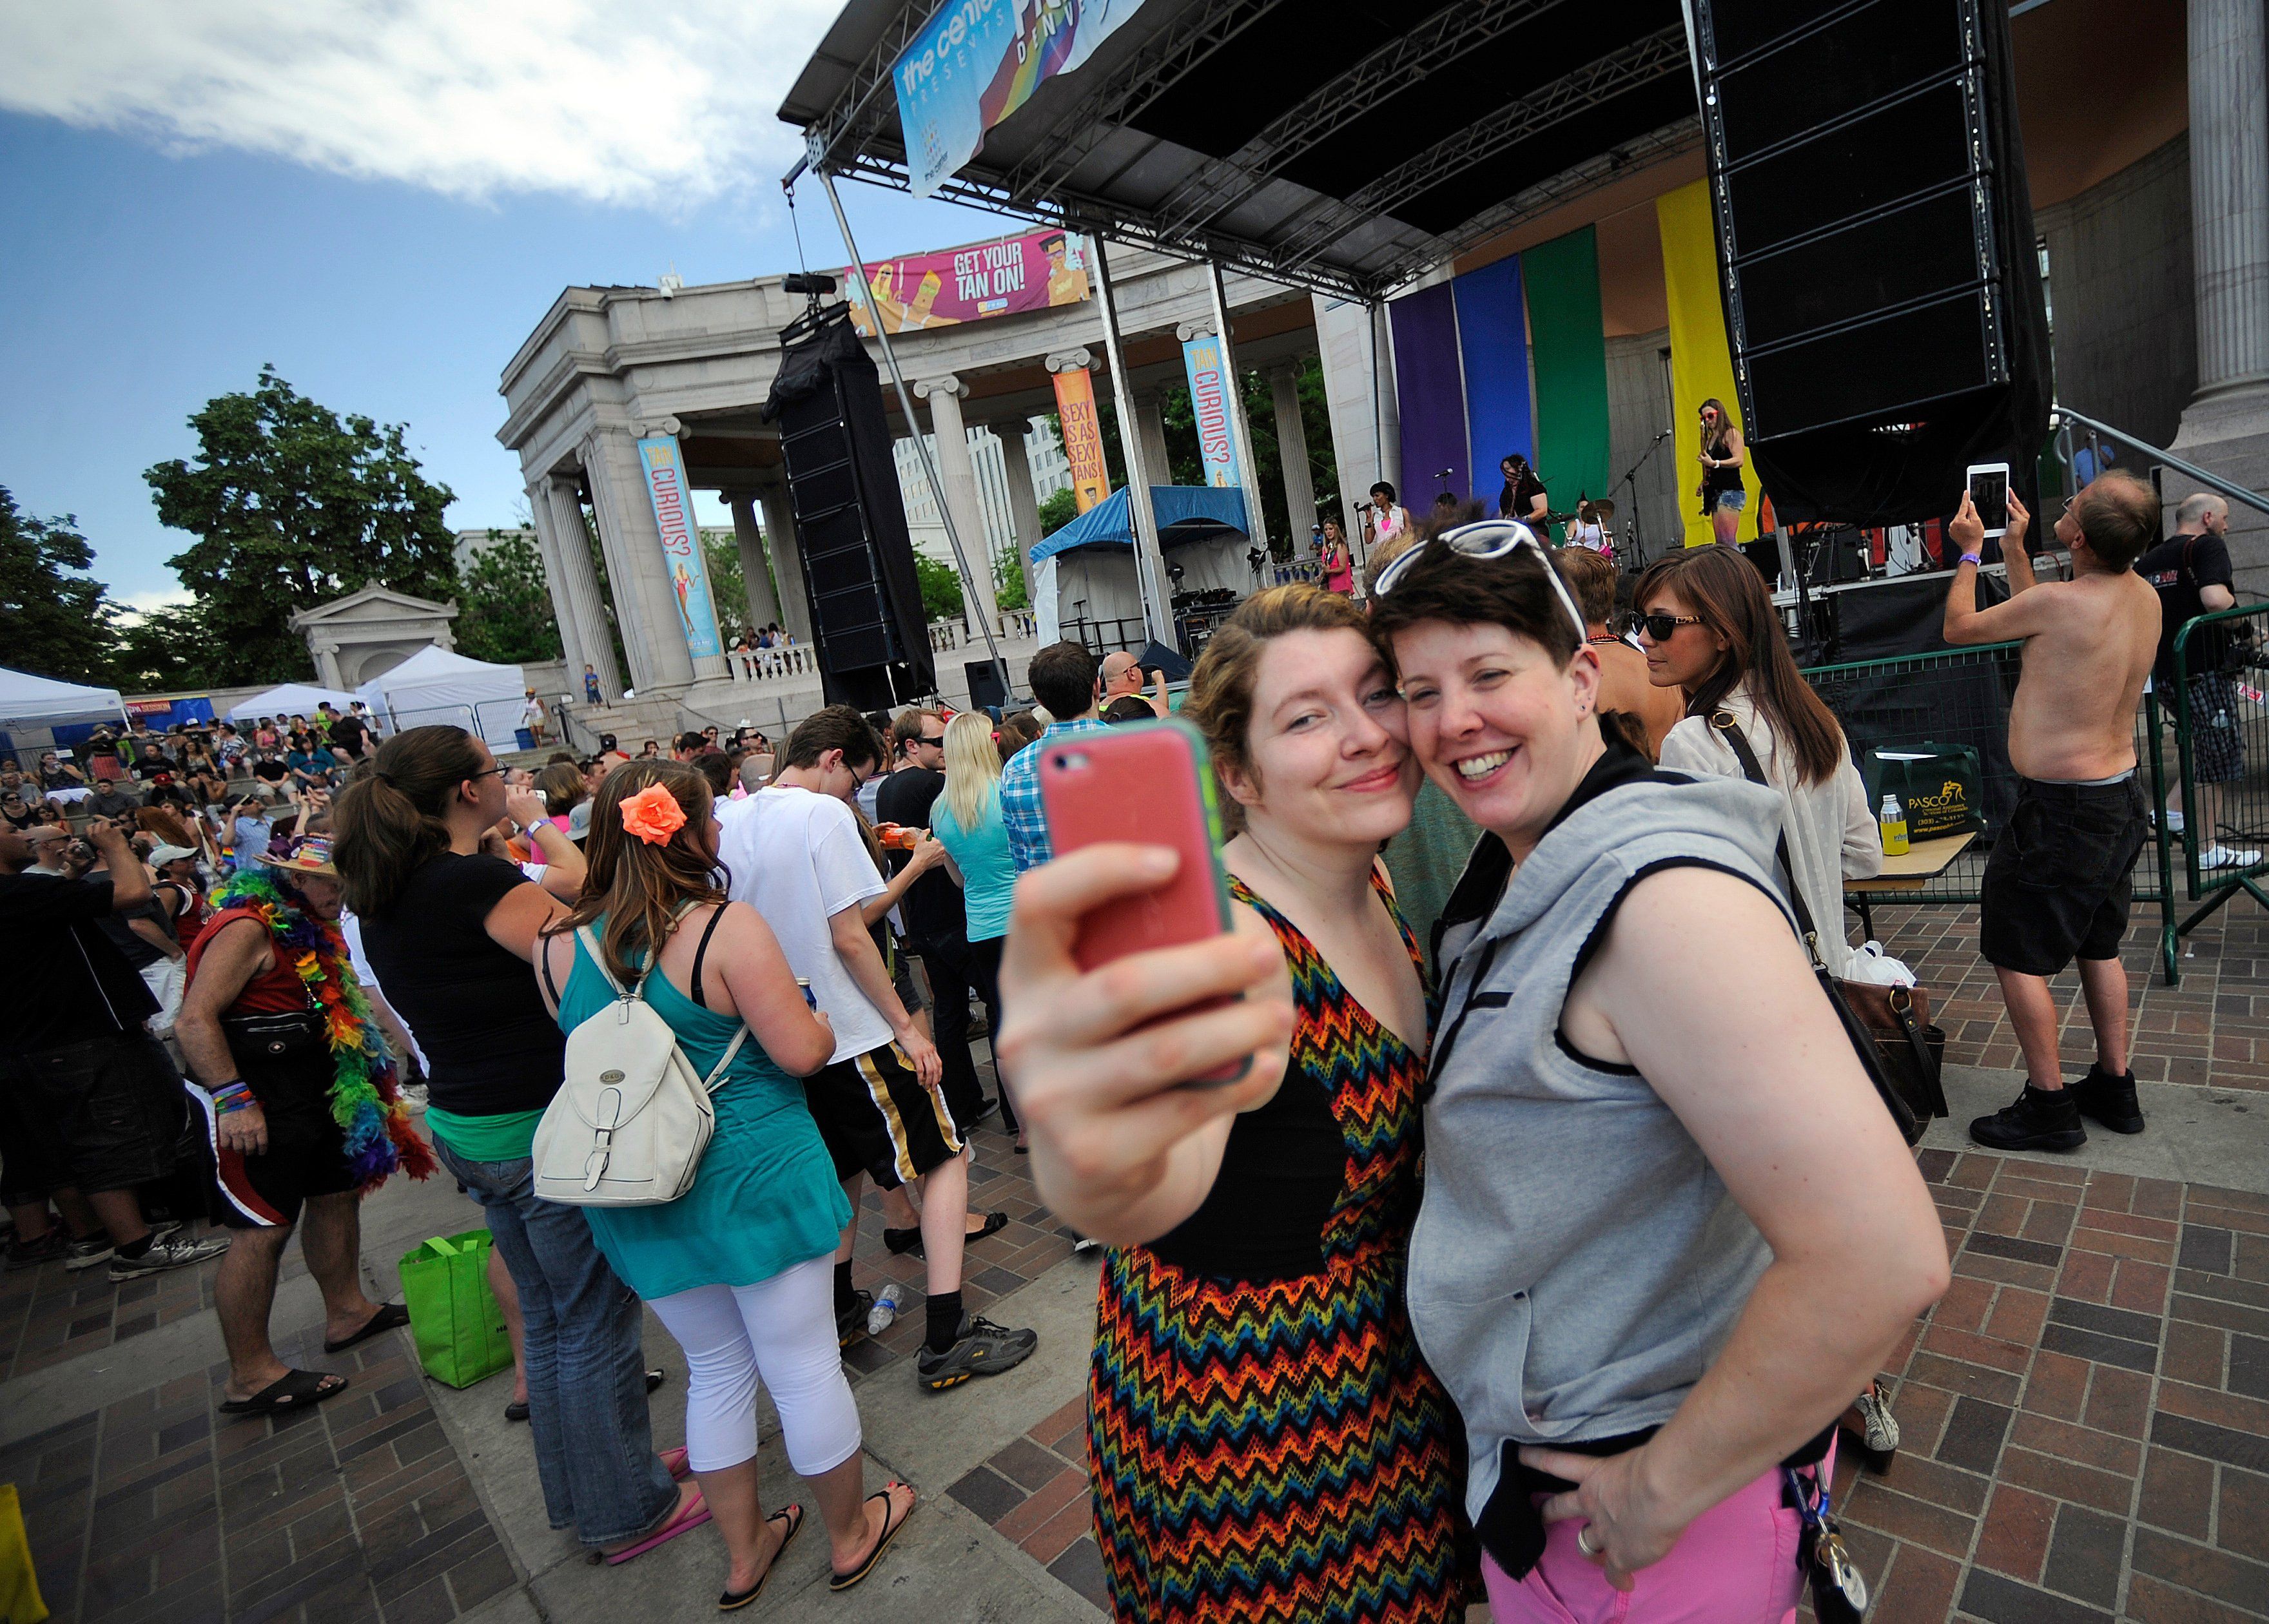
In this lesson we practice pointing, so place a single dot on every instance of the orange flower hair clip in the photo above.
(653, 815)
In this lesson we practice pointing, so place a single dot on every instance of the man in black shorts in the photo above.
(2058, 882)
(264, 1060)
(90, 1107)
(795, 854)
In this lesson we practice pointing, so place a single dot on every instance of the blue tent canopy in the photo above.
(1186, 513)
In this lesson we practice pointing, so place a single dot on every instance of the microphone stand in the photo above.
(1631, 478)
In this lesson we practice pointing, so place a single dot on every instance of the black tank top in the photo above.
(1716, 480)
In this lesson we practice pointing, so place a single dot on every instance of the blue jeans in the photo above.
(586, 1371)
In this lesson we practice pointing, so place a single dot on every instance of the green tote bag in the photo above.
(453, 1313)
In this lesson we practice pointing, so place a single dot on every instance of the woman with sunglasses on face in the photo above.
(1647, 1180)
(1721, 456)
(1265, 1440)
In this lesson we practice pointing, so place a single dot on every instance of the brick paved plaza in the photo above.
(2086, 1414)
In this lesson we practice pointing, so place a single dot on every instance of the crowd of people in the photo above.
(1538, 1251)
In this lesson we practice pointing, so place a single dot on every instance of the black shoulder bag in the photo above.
(1897, 1047)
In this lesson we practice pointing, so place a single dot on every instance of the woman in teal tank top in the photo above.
(739, 1268)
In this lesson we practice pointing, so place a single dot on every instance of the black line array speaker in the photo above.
(871, 634)
(1874, 232)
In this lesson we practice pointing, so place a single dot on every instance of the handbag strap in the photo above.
(1726, 723)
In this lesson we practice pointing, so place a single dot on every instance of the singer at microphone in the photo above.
(1381, 517)
(1523, 497)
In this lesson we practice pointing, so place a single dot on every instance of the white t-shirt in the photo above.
(796, 857)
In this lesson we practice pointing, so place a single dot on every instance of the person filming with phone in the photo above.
(2060, 876)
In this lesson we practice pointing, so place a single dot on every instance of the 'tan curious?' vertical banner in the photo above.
(681, 542)
(1082, 436)
(1210, 387)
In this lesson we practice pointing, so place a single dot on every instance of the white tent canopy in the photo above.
(435, 686)
(35, 701)
(288, 700)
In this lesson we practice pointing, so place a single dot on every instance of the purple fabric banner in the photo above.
(1429, 392)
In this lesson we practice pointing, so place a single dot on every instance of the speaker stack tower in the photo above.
(1882, 283)
(871, 634)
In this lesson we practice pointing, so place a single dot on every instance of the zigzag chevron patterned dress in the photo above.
(1265, 1440)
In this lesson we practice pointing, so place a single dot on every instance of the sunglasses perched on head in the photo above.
(1492, 538)
(1659, 625)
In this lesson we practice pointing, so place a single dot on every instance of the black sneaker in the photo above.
(175, 1251)
(850, 1318)
(983, 1348)
(2109, 1100)
(49, 1248)
(2040, 1119)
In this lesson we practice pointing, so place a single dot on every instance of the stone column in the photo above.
(327, 666)
(763, 606)
(1150, 422)
(787, 564)
(2226, 427)
(1023, 506)
(555, 580)
(659, 657)
(1292, 453)
(572, 543)
(957, 470)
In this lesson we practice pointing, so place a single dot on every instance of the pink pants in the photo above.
(1735, 1564)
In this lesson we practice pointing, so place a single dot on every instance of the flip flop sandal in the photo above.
(690, 1516)
(390, 1316)
(845, 1580)
(680, 1467)
(295, 1389)
(733, 1601)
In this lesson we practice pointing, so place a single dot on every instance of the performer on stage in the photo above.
(1523, 497)
(1722, 456)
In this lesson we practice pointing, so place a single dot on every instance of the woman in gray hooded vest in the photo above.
(1667, 1230)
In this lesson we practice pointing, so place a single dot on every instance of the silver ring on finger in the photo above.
(1583, 1540)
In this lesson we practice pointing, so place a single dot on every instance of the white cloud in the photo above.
(137, 604)
(618, 104)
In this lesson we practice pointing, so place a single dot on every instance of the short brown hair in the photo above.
(1062, 678)
(907, 727)
(1221, 687)
(1511, 591)
(1592, 577)
(832, 727)
(2118, 514)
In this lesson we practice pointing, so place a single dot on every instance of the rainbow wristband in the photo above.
(232, 1096)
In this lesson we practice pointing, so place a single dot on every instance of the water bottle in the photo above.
(1893, 818)
(885, 1309)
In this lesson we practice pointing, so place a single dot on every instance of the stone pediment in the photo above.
(381, 604)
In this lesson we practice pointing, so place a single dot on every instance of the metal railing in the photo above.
(2220, 723)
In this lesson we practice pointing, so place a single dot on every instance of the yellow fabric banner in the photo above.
(1701, 360)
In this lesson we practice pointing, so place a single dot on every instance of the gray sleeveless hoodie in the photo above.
(1577, 1264)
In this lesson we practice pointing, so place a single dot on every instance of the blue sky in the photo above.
(144, 270)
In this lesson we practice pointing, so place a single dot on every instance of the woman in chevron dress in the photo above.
(1265, 1440)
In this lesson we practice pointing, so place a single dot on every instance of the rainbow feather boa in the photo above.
(365, 1103)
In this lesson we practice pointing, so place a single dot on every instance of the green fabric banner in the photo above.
(1568, 337)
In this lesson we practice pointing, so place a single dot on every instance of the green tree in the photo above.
(941, 587)
(1060, 508)
(504, 604)
(1008, 580)
(54, 620)
(163, 651)
(292, 505)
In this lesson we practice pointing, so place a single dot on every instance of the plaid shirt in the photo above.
(1021, 810)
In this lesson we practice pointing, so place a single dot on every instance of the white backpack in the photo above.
(630, 1121)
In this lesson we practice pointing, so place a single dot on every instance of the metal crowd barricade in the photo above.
(1961, 696)
(2221, 735)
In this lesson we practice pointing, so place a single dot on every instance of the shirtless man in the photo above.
(1122, 674)
(2058, 882)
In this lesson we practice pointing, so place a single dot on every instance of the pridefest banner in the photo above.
(1082, 437)
(1209, 406)
(681, 542)
(977, 62)
(1036, 271)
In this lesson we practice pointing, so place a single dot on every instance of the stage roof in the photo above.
(1345, 145)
